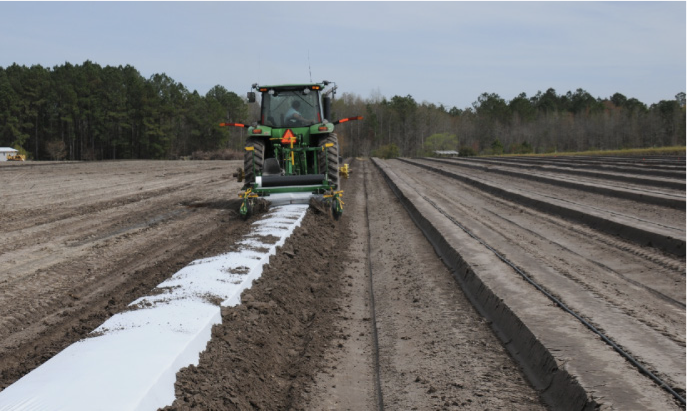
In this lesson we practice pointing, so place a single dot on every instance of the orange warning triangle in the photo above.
(288, 137)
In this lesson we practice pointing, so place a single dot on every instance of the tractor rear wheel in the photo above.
(258, 153)
(328, 159)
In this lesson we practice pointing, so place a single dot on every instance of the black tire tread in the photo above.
(259, 152)
(329, 157)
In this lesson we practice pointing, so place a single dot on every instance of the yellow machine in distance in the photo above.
(16, 157)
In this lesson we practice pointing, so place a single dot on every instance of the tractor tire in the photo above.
(258, 153)
(328, 159)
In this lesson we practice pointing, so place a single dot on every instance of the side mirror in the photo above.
(251, 97)
(327, 107)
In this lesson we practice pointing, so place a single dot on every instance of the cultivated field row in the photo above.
(560, 281)
(586, 289)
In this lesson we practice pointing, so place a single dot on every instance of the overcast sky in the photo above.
(439, 52)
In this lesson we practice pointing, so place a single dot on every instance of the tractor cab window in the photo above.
(289, 108)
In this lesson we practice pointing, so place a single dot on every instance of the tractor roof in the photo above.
(292, 86)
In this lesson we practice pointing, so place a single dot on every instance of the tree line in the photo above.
(544, 123)
(89, 112)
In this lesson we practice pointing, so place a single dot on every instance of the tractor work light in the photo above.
(343, 120)
(232, 125)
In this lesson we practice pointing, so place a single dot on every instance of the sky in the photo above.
(438, 52)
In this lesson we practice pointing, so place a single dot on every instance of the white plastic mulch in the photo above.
(130, 362)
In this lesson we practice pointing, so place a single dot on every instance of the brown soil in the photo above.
(82, 240)
(264, 352)
(435, 350)
(76, 249)
(634, 295)
(303, 338)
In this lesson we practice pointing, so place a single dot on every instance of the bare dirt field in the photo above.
(445, 285)
(80, 241)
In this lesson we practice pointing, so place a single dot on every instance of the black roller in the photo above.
(304, 180)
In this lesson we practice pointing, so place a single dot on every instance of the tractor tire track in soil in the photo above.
(302, 337)
(435, 350)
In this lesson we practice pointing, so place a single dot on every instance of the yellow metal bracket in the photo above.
(343, 171)
(333, 194)
(248, 194)
(336, 202)
(246, 208)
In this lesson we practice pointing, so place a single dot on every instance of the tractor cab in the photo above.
(290, 108)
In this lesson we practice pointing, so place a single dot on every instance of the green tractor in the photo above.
(292, 152)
